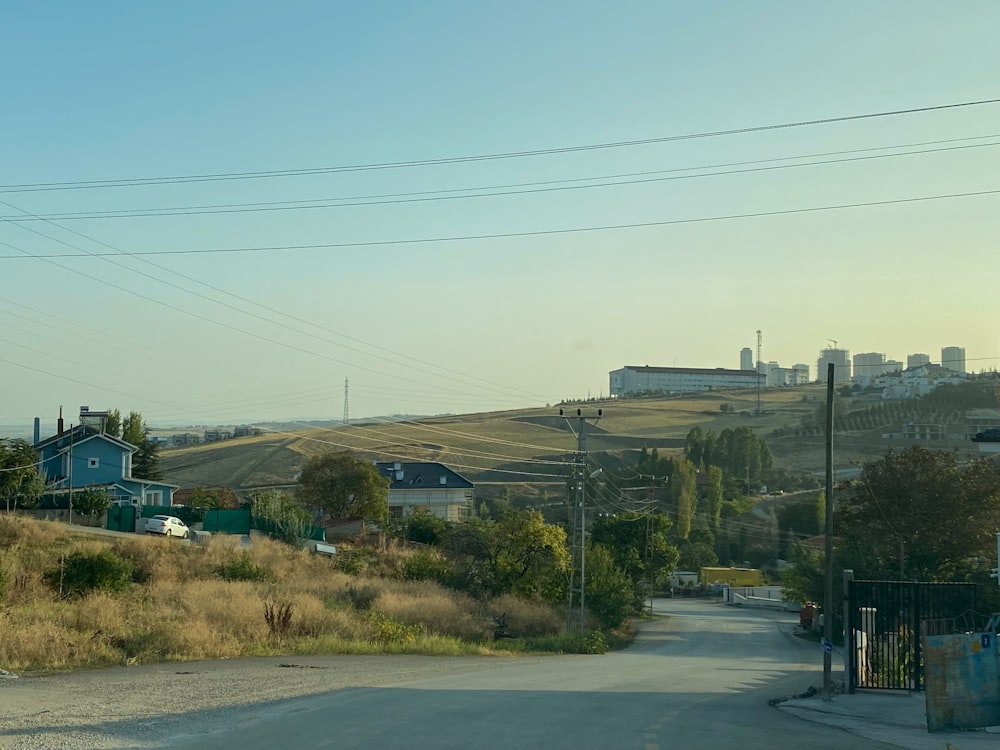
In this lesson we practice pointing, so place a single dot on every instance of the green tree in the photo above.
(146, 460)
(694, 446)
(696, 554)
(344, 486)
(134, 431)
(113, 424)
(424, 527)
(625, 537)
(133, 428)
(609, 589)
(518, 553)
(683, 492)
(922, 511)
(20, 482)
(713, 496)
(291, 519)
(91, 502)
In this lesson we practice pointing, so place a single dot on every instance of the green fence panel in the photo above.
(227, 521)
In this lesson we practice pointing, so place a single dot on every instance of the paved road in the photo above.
(700, 679)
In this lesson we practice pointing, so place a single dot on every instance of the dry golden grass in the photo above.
(527, 619)
(180, 608)
(436, 610)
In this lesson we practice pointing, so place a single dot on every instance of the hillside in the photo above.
(527, 445)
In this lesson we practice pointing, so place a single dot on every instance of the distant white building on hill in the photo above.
(798, 375)
(632, 380)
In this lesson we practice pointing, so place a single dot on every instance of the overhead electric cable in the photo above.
(218, 176)
(441, 371)
(80, 382)
(536, 233)
(435, 195)
(193, 314)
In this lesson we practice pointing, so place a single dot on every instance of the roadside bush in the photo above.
(82, 572)
(241, 567)
(4, 580)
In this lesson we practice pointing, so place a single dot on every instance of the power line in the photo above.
(536, 233)
(441, 370)
(478, 192)
(107, 257)
(219, 176)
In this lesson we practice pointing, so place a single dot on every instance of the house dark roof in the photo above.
(77, 435)
(421, 475)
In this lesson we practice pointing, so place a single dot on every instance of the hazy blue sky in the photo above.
(123, 90)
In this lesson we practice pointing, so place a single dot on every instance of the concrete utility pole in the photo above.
(578, 542)
(758, 370)
(828, 587)
(69, 471)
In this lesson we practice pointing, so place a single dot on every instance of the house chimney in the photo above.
(38, 431)
(59, 424)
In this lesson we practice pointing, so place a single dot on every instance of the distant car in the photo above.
(168, 526)
(987, 436)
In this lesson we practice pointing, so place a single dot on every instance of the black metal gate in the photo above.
(884, 628)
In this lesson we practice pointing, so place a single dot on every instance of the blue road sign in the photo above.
(827, 646)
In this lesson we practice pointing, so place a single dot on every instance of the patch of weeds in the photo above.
(278, 617)
(82, 572)
(387, 630)
(241, 567)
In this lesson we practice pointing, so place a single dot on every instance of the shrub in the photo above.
(352, 561)
(426, 565)
(82, 572)
(241, 567)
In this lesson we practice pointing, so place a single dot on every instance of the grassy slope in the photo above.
(181, 608)
(273, 459)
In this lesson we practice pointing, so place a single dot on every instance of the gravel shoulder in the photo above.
(150, 705)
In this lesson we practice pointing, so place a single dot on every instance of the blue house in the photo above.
(84, 457)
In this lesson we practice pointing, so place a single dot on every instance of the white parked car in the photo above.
(168, 526)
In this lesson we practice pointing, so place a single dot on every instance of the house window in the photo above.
(93, 463)
(154, 497)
